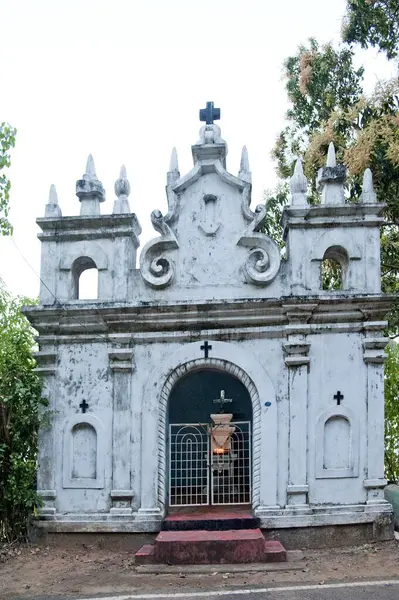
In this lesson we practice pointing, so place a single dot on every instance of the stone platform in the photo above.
(211, 537)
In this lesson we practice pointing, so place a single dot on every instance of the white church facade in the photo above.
(217, 373)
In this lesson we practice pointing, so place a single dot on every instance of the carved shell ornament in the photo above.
(156, 268)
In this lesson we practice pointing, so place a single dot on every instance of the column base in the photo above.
(46, 512)
(121, 503)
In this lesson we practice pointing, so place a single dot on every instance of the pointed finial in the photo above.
(174, 165)
(368, 195)
(245, 172)
(331, 160)
(173, 174)
(52, 208)
(122, 173)
(298, 186)
(122, 191)
(90, 191)
(244, 164)
(331, 179)
(53, 196)
(90, 168)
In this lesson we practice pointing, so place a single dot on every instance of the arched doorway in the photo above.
(209, 440)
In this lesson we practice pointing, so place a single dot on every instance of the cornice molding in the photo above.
(270, 316)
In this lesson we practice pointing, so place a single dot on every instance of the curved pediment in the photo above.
(210, 236)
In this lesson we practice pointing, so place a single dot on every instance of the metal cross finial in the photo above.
(338, 397)
(209, 114)
(222, 400)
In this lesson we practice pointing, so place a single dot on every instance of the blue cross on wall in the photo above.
(209, 114)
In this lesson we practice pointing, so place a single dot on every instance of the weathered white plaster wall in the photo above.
(83, 374)
(337, 364)
(210, 275)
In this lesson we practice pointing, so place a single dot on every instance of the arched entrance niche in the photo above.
(187, 398)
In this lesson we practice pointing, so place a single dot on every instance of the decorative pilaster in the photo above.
(46, 361)
(374, 357)
(121, 363)
(296, 358)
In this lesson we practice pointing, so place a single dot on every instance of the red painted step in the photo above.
(211, 521)
(145, 555)
(275, 551)
(211, 547)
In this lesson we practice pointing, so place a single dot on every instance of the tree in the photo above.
(327, 105)
(373, 23)
(7, 141)
(20, 404)
(319, 80)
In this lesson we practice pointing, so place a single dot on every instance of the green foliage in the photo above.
(275, 202)
(7, 141)
(331, 275)
(20, 403)
(327, 105)
(318, 79)
(392, 413)
(373, 23)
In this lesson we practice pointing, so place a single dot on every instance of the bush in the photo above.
(20, 402)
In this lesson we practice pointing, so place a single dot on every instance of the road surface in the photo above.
(368, 590)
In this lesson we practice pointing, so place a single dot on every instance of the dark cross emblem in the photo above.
(209, 114)
(206, 347)
(338, 397)
(83, 405)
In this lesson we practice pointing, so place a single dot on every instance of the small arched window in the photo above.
(334, 269)
(85, 279)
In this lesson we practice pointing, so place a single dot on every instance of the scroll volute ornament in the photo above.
(263, 260)
(156, 268)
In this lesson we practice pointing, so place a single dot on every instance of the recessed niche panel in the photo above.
(337, 444)
(84, 451)
(83, 455)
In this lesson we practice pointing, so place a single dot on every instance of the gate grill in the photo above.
(201, 473)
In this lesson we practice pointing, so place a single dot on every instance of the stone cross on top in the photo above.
(209, 114)
(222, 400)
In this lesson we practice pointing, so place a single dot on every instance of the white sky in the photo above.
(124, 79)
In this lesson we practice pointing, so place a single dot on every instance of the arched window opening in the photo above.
(85, 279)
(334, 269)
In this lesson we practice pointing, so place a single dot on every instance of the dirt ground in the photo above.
(27, 571)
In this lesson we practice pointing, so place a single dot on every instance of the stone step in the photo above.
(211, 547)
(145, 555)
(210, 521)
